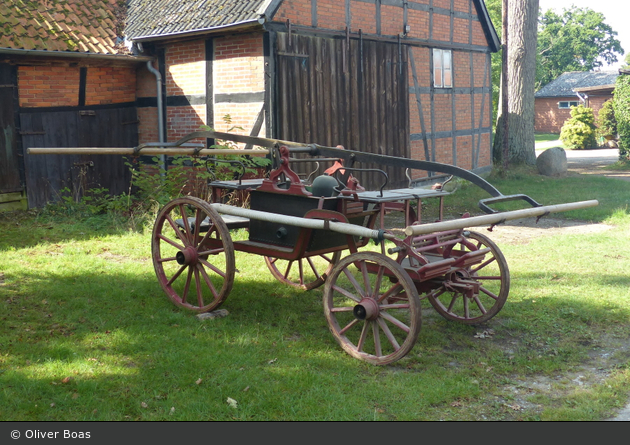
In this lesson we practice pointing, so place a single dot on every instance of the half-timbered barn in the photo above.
(407, 78)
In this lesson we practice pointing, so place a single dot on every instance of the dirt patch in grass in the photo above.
(522, 231)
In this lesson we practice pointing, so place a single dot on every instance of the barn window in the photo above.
(442, 68)
(567, 104)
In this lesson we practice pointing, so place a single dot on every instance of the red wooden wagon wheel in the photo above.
(193, 254)
(474, 294)
(304, 273)
(372, 308)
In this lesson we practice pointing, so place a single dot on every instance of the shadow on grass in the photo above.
(23, 229)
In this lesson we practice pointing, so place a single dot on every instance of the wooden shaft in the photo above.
(307, 223)
(149, 151)
(495, 218)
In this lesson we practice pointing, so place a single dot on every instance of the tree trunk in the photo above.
(523, 32)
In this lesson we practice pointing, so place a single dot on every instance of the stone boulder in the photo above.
(552, 162)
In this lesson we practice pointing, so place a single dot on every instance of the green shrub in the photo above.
(607, 124)
(622, 114)
(579, 131)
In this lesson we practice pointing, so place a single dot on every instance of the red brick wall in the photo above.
(418, 22)
(363, 16)
(239, 67)
(110, 85)
(58, 86)
(298, 12)
(48, 86)
(548, 117)
(185, 76)
(186, 68)
(596, 102)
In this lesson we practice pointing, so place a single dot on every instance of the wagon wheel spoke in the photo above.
(199, 217)
(199, 289)
(303, 276)
(466, 307)
(313, 268)
(176, 275)
(187, 285)
(207, 235)
(488, 293)
(206, 278)
(482, 265)
(454, 298)
(480, 305)
(301, 269)
(171, 242)
(388, 334)
(165, 260)
(377, 286)
(355, 283)
(482, 289)
(288, 269)
(208, 258)
(212, 252)
(399, 324)
(348, 294)
(187, 230)
(364, 333)
(364, 323)
(213, 268)
(349, 326)
(378, 351)
(396, 288)
(366, 279)
(177, 231)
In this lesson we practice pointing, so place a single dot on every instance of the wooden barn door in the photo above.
(47, 175)
(351, 92)
(9, 160)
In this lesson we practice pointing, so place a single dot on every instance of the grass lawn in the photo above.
(86, 333)
(546, 137)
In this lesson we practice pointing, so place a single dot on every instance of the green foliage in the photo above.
(577, 40)
(607, 123)
(622, 114)
(579, 131)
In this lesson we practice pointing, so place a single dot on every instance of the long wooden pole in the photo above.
(495, 218)
(307, 223)
(145, 151)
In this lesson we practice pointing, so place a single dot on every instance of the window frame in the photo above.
(570, 103)
(442, 68)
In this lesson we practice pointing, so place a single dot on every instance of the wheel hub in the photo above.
(187, 256)
(367, 309)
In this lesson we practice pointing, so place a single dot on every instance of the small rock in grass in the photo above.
(219, 313)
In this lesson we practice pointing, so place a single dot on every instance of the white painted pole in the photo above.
(495, 218)
(307, 223)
